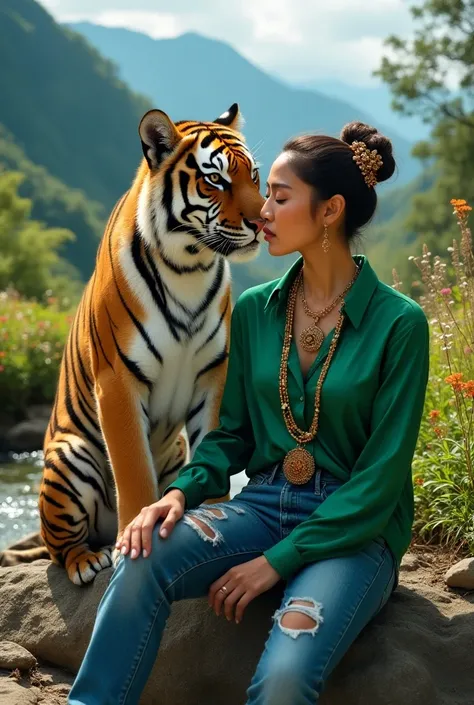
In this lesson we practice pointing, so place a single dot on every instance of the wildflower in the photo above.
(434, 414)
(438, 431)
(468, 388)
(2, 353)
(455, 380)
(467, 350)
(419, 481)
(446, 291)
(1, 368)
(461, 208)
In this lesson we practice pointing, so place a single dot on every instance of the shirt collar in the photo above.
(356, 300)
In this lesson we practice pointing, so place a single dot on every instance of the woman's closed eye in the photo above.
(277, 200)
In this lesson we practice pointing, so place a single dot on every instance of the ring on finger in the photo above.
(224, 589)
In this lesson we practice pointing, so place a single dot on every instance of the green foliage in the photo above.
(443, 466)
(442, 48)
(30, 262)
(56, 205)
(452, 151)
(32, 338)
(421, 73)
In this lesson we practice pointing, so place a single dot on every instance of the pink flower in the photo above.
(467, 350)
(445, 292)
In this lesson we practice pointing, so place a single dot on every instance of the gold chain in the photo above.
(299, 435)
(324, 312)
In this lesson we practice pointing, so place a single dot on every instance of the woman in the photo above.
(323, 401)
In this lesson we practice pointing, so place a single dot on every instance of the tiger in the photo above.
(145, 361)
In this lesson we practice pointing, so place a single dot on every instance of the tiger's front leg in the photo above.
(123, 415)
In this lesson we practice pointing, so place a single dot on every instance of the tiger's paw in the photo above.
(83, 567)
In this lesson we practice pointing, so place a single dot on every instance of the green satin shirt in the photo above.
(371, 407)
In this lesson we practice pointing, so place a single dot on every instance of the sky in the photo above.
(299, 40)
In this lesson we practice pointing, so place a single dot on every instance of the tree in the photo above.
(29, 252)
(433, 73)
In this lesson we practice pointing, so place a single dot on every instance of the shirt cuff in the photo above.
(284, 558)
(191, 489)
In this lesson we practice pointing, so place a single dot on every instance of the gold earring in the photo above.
(326, 244)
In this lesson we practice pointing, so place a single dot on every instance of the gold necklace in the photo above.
(311, 338)
(298, 464)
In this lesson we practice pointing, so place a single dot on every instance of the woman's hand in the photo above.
(240, 585)
(137, 534)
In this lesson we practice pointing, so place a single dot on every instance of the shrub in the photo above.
(32, 337)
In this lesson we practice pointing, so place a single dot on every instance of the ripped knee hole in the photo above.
(200, 520)
(299, 616)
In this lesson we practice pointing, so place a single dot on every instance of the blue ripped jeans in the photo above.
(341, 596)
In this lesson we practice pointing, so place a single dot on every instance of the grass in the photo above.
(443, 464)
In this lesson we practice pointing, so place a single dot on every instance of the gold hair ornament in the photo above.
(369, 161)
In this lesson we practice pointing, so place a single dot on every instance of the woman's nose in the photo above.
(266, 213)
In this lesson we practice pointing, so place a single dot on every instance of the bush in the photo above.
(32, 337)
(443, 464)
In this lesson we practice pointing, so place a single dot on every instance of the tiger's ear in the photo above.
(159, 137)
(231, 118)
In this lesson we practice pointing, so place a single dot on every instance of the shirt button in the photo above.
(301, 398)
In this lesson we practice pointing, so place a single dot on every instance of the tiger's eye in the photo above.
(214, 178)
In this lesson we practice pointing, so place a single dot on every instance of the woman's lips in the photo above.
(268, 234)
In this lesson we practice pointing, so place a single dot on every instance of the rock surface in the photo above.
(461, 575)
(418, 650)
(25, 435)
(14, 656)
(12, 693)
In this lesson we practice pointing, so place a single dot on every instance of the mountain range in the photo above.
(72, 98)
(192, 76)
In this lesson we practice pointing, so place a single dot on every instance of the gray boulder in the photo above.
(418, 650)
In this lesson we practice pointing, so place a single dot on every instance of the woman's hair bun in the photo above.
(360, 132)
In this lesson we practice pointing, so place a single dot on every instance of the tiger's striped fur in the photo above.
(147, 350)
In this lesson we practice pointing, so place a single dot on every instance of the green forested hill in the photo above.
(64, 104)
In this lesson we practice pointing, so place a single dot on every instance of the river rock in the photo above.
(15, 656)
(26, 436)
(399, 659)
(461, 575)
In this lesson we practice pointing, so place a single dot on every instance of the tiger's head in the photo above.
(200, 192)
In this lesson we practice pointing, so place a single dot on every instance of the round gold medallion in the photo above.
(312, 338)
(298, 466)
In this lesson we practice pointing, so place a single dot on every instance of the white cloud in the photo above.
(300, 40)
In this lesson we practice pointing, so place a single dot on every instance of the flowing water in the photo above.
(19, 486)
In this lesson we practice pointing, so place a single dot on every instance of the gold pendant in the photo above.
(311, 338)
(298, 466)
